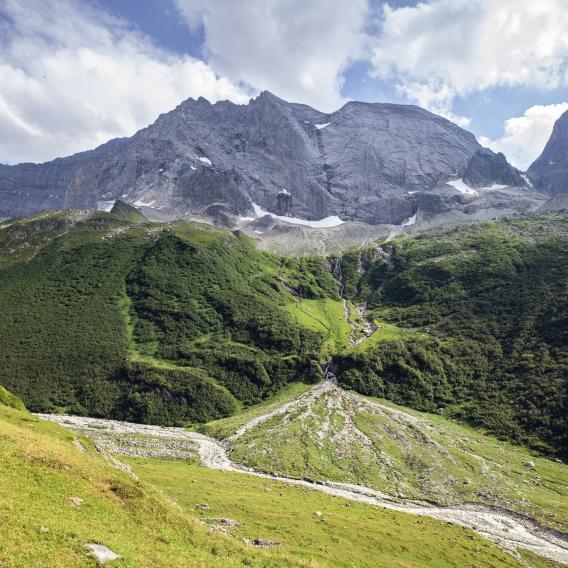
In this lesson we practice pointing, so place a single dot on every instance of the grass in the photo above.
(224, 427)
(384, 332)
(404, 453)
(41, 469)
(326, 316)
(346, 534)
(154, 522)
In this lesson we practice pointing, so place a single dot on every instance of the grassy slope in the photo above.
(326, 316)
(430, 458)
(346, 534)
(224, 427)
(41, 469)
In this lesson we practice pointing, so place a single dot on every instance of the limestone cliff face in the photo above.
(364, 162)
(549, 172)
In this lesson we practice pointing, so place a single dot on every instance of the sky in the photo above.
(76, 73)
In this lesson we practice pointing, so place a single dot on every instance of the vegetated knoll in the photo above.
(127, 212)
(329, 434)
(58, 494)
(147, 322)
(482, 313)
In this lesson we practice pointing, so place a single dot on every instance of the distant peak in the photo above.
(267, 96)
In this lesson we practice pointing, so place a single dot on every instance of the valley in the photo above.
(283, 284)
(368, 376)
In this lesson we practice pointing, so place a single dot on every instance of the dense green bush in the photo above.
(88, 302)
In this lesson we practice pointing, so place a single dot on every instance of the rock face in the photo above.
(26, 189)
(486, 168)
(363, 162)
(549, 173)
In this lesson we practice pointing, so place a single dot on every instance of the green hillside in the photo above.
(148, 322)
(329, 434)
(183, 322)
(69, 496)
(484, 315)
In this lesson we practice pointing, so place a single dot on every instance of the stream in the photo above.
(509, 530)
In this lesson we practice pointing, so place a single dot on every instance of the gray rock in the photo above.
(101, 552)
(549, 172)
(30, 188)
(377, 163)
(487, 168)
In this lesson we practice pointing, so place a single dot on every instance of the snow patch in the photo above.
(527, 180)
(140, 203)
(320, 126)
(193, 167)
(205, 160)
(105, 205)
(462, 187)
(410, 220)
(412, 192)
(284, 191)
(332, 221)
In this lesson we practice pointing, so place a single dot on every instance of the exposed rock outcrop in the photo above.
(486, 168)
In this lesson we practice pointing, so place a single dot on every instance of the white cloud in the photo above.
(436, 97)
(294, 48)
(72, 77)
(526, 136)
(445, 48)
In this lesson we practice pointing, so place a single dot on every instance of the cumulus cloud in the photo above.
(526, 136)
(72, 77)
(445, 48)
(296, 49)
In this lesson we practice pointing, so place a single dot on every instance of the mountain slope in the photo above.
(149, 322)
(549, 172)
(183, 322)
(376, 163)
(476, 326)
(328, 434)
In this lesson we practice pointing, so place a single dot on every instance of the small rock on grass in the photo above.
(75, 501)
(261, 542)
(203, 506)
(101, 552)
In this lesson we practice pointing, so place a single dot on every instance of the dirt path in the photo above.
(508, 530)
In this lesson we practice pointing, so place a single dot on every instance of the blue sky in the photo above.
(77, 72)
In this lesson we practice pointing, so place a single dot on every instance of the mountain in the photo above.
(549, 172)
(27, 189)
(377, 163)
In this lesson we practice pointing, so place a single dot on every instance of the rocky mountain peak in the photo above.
(365, 162)
(549, 172)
